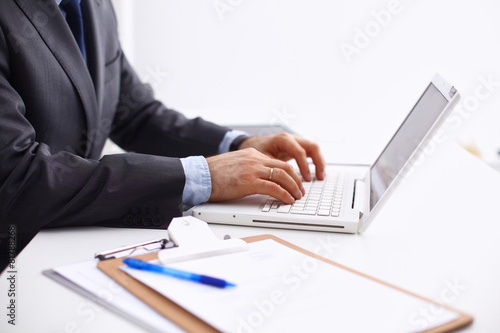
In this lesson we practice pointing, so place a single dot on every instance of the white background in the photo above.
(281, 62)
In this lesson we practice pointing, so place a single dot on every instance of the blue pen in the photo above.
(146, 266)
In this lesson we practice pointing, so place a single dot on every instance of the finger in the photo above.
(286, 181)
(266, 187)
(292, 147)
(314, 152)
(292, 173)
(289, 170)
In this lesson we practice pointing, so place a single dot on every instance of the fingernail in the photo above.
(323, 175)
(299, 194)
(291, 200)
(303, 190)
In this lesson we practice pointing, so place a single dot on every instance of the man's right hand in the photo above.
(244, 172)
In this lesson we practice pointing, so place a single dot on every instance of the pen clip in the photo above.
(161, 244)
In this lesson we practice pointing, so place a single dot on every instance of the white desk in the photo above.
(439, 229)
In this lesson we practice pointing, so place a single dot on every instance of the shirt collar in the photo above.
(59, 2)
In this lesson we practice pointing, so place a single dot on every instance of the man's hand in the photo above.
(285, 146)
(260, 167)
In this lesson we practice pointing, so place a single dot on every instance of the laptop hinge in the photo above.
(359, 196)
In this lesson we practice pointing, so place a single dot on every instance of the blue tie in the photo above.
(75, 22)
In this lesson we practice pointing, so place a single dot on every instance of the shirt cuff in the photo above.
(228, 139)
(198, 186)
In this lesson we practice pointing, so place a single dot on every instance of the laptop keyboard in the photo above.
(323, 198)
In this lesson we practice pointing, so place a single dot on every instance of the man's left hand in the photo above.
(285, 146)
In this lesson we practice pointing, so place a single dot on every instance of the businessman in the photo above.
(65, 87)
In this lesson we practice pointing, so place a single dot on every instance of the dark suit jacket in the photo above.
(56, 113)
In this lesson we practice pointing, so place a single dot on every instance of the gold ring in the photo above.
(271, 174)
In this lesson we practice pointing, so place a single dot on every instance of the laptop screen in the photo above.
(407, 138)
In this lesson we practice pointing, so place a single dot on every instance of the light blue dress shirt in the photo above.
(198, 186)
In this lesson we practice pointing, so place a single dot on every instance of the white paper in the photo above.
(280, 289)
(87, 276)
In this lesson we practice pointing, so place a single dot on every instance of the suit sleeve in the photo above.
(143, 124)
(40, 188)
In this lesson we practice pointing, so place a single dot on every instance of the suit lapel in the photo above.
(50, 24)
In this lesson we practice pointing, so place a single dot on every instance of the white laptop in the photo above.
(350, 197)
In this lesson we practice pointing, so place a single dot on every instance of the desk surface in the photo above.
(435, 236)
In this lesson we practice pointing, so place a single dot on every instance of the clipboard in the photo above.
(191, 323)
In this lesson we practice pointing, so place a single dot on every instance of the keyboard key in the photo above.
(267, 207)
(322, 198)
(304, 212)
(284, 208)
